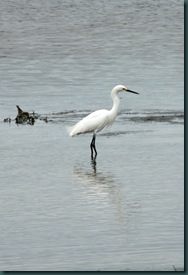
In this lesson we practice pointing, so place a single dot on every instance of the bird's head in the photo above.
(121, 88)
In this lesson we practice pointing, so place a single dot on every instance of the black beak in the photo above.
(132, 92)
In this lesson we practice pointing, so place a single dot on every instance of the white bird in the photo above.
(99, 119)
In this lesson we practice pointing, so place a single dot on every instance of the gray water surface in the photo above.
(58, 209)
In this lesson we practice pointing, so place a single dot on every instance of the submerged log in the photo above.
(8, 119)
(24, 117)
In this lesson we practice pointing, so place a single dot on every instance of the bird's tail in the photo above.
(70, 130)
(74, 130)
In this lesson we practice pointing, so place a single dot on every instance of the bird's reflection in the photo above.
(103, 187)
(94, 164)
(99, 185)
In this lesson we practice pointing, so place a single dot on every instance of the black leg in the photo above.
(92, 146)
(94, 164)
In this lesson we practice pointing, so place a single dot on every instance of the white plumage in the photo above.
(100, 119)
(94, 122)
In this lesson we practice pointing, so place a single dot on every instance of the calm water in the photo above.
(58, 210)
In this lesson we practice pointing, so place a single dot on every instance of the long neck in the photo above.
(115, 106)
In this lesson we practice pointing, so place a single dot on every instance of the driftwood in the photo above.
(8, 119)
(24, 117)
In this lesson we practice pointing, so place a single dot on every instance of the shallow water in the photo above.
(58, 209)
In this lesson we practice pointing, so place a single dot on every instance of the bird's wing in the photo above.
(94, 122)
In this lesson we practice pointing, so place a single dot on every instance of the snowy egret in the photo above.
(100, 119)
